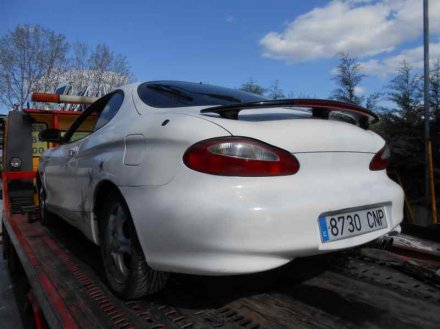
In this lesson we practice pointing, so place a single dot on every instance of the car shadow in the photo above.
(195, 291)
(77, 244)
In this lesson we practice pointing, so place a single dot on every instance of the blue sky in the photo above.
(228, 42)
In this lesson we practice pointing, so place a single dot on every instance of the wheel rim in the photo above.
(118, 244)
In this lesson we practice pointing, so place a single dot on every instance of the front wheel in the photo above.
(126, 269)
(46, 217)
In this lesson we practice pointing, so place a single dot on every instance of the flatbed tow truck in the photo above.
(367, 287)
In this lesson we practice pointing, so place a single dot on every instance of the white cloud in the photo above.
(361, 27)
(230, 19)
(360, 1)
(358, 91)
(390, 64)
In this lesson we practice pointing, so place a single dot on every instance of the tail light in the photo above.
(238, 156)
(381, 160)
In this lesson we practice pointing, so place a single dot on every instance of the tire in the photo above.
(125, 267)
(46, 217)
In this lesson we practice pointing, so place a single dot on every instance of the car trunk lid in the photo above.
(301, 134)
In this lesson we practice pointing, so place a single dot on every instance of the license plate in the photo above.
(347, 224)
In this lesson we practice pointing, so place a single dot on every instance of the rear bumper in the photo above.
(204, 224)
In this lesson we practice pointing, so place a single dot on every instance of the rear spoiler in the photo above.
(56, 98)
(320, 108)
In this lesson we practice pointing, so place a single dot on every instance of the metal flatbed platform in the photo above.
(352, 289)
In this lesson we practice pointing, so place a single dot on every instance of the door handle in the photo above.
(73, 151)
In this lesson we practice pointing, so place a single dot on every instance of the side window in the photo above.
(95, 117)
(110, 109)
(84, 129)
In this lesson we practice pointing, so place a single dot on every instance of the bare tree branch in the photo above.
(31, 58)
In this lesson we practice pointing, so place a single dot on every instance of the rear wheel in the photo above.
(126, 269)
(46, 217)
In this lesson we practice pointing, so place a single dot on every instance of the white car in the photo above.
(193, 178)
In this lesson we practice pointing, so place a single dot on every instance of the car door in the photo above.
(58, 176)
(60, 170)
(90, 156)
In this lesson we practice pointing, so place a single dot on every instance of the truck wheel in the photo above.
(125, 267)
(46, 217)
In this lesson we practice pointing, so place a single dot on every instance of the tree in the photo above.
(79, 66)
(348, 77)
(405, 90)
(435, 107)
(371, 102)
(402, 128)
(252, 86)
(435, 90)
(100, 70)
(275, 91)
(108, 70)
(31, 57)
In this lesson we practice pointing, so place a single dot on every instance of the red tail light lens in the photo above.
(381, 160)
(238, 156)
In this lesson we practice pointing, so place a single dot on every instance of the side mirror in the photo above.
(50, 135)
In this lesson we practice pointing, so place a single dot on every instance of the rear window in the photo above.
(166, 94)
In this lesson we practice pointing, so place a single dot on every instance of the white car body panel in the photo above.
(238, 225)
(306, 135)
(191, 222)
